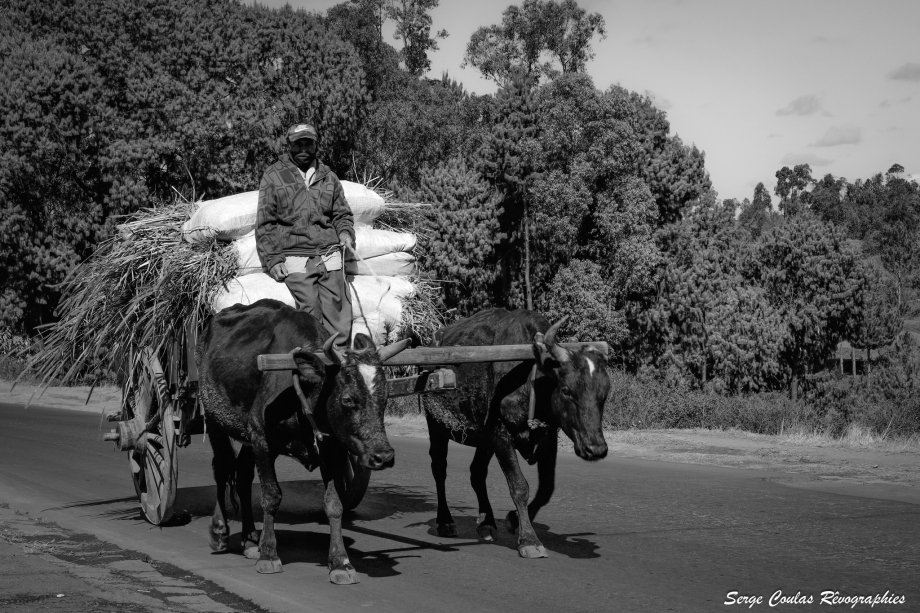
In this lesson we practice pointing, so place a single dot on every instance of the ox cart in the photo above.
(159, 410)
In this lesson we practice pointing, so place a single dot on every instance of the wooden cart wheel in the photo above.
(154, 462)
(356, 479)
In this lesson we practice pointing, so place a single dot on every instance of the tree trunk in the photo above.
(794, 386)
(853, 359)
(527, 257)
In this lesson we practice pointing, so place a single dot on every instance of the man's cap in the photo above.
(301, 130)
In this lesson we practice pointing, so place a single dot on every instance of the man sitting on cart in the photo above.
(302, 226)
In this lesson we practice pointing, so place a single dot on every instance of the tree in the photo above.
(791, 186)
(755, 216)
(360, 23)
(413, 27)
(811, 277)
(507, 161)
(895, 237)
(706, 324)
(585, 156)
(561, 30)
(418, 122)
(53, 131)
(826, 199)
(464, 234)
(581, 291)
(676, 173)
(879, 321)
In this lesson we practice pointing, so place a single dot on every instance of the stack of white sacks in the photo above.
(377, 291)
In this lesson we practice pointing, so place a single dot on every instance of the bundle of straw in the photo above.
(140, 288)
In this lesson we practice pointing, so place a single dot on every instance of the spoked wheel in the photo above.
(355, 486)
(154, 462)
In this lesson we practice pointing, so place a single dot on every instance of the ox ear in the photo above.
(362, 342)
(311, 368)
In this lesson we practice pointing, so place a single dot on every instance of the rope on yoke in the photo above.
(305, 404)
(532, 422)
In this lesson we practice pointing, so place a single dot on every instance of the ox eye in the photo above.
(567, 392)
(348, 401)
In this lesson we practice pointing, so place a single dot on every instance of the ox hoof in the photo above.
(267, 567)
(532, 551)
(251, 550)
(511, 522)
(344, 576)
(448, 530)
(218, 537)
(486, 532)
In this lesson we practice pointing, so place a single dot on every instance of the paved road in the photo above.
(623, 535)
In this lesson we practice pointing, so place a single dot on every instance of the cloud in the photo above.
(775, 135)
(803, 106)
(659, 101)
(792, 159)
(904, 100)
(828, 40)
(908, 72)
(839, 135)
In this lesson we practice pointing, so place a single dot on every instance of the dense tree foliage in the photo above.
(464, 234)
(812, 278)
(108, 106)
(708, 324)
(674, 172)
(542, 38)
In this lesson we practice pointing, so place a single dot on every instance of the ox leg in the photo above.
(269, 562)
(245, 474)
(546, 471)
(223, 466)
(529, 546)
(437, 449)
(479, 470)
(341, 572)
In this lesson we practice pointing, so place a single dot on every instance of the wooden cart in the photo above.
(160, 411)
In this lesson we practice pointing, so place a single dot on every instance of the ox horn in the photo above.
(558, 352)
(389, 351)
(334, 355)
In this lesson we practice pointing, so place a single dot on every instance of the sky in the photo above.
(756, 85)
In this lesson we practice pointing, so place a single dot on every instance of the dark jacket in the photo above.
(293, 220)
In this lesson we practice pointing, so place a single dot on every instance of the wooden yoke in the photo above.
(440, 356)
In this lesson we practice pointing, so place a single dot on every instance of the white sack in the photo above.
(252, 288)
(390, 265)
(381, 294)
(377, 326)
(245, 248)
(366, 204)
(234, 216)
(225, 218)
(370, 242)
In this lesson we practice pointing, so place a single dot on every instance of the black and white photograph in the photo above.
(455, 306)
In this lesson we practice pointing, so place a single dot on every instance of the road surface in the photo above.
(622, 535)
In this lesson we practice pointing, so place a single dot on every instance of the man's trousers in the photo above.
(321, 293)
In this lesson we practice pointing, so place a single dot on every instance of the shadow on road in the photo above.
(302, 502)
(570, 545)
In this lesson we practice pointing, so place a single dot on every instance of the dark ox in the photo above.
(490, 407)
(262, 411)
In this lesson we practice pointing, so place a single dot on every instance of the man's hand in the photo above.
(278, 272)
(346, 239)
